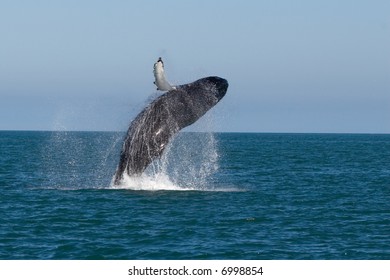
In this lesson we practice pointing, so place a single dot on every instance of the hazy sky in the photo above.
(292, 66)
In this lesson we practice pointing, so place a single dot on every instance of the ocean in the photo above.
(211, 196)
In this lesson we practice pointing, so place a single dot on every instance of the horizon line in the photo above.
(232, 132)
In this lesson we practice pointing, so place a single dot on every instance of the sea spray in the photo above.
(190, 160)
(188, 163)
(68, 155)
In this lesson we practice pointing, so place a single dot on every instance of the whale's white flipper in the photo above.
(159, 76)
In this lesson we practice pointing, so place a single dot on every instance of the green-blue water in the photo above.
(212, 196)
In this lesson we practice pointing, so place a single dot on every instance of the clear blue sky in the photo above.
(292, 66)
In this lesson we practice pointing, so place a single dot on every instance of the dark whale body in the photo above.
(150, 132)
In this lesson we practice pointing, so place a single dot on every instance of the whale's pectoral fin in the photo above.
(159, 76)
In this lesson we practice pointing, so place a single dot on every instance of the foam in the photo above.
(162, 182)
(144, 182)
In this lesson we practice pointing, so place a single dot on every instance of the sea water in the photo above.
(211, 196)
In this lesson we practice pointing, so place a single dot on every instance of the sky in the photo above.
(293, 66)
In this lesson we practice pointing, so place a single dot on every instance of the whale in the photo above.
(151, 130)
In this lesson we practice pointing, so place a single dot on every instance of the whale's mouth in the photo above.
(221, 85)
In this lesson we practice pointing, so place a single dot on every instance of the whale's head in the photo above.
(220, 84)
(212, 86)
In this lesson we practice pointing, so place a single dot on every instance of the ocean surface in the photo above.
(211, 196)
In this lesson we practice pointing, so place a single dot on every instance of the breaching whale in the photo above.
(150, 131)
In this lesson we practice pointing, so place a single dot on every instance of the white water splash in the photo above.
(162, 182)
(145, 182)
(187, 164)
